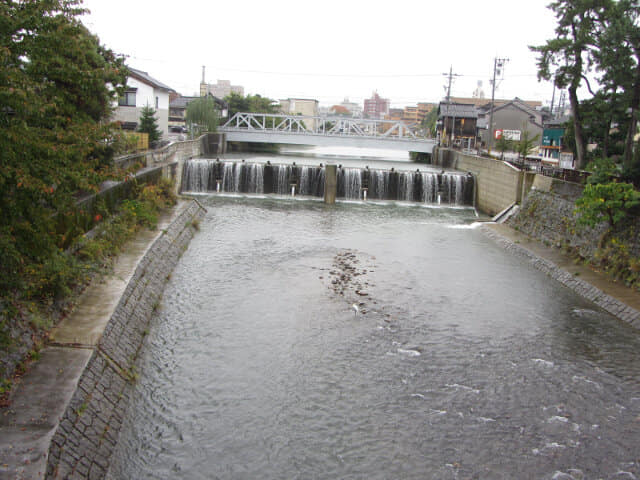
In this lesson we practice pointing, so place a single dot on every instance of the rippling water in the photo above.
(463, 361)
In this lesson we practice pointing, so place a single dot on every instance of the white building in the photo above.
(353, 107)
(143, 90)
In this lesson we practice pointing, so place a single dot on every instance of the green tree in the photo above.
(202, 115)
(250, 103)
(57, 85)
(527, 143)
(603, 170)
(149, 125)
(606, 202)
(504, 144)
(429, 121)
(605, 109)
(567, 58)
(618, 60)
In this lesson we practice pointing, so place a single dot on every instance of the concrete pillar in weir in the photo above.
(330, 184)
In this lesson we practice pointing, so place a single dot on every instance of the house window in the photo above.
(128, 99)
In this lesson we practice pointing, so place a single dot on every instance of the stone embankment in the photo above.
(581, 287)
(547, 218)
(88, 431)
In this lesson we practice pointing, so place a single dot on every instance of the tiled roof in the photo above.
(181, 102)
(458, 110)
(146, 78)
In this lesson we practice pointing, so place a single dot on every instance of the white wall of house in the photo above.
(145, 95)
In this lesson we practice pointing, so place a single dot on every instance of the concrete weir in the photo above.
(66, 414)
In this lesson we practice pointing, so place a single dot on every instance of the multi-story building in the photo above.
(424, 109)
(301, 106)
(143, 90)
(353, 107)
(376, 106)
(410, 115)
(220, 89)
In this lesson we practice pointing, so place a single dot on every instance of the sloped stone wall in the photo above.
(87, 435)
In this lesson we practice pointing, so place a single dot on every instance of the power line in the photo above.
(323, 74)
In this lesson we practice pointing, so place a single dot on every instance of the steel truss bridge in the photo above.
(323, 131)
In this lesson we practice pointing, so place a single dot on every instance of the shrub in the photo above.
(604, 170)
(610, 202)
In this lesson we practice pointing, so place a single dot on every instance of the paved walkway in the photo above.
(39, 400)
(581, 273)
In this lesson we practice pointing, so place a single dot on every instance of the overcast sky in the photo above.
(331, 49)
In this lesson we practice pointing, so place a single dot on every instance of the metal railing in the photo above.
(316, 125)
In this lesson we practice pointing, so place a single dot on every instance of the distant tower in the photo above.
(203, 85)
(478, 92)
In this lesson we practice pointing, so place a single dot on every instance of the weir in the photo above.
(446, 188)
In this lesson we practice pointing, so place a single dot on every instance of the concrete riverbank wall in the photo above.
(547, 215)
(88, 431)
(498, 184)
(583, 288)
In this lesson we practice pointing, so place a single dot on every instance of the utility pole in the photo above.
(498, 64)
(453, 123)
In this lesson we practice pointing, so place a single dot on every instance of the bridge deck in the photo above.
(324, 131)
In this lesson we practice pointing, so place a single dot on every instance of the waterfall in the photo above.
(429, 187)
(405, 186)
(256, 178)
(351, 181)
(201, 175)
(196, 175)
(378, 184)
(311, 181)
(280, 180)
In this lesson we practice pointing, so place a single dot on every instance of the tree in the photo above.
(608, 202)
(504, 144)
(57, 85)
(603, 170)
(618, 60)
(202, 115)
(527, 143)
(149, 125)
(567, 58)
(250, 103)
(602, 111)
(429, 121)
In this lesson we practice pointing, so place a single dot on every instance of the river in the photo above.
(389, 340)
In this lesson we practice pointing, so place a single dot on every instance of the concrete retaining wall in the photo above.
(585, 289)
(498, 184)
(88, 432)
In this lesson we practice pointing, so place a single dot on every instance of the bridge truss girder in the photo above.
(329, 126)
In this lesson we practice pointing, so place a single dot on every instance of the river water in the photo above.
(458, 360)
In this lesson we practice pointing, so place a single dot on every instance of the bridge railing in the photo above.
(316, 125)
